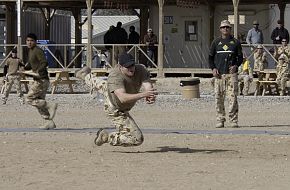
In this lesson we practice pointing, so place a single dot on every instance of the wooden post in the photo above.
(160, 73)
(211, 23)
(144, 15)
(78, 35)
(11, 25)
(89, 47)
(236, 17)
(19, 19)
(282, 7)
(48, 15)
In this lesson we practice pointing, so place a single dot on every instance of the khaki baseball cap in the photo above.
(255, 22)
(225, 23)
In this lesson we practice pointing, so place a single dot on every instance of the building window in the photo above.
(242, 19)
(191, 31)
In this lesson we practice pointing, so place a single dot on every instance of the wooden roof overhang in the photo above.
(132, 4)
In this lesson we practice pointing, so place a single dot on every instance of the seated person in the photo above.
(245, 77)
(282, 73)
(283, 49)
(260, 59)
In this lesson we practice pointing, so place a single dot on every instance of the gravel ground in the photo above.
(68, 159)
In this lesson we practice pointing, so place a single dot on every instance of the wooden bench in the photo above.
(99, 72)
(267, 85)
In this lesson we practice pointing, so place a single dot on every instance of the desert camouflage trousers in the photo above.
(227, 85)
(10, 80)
(128, 133)
(36, 96)
(245, 81)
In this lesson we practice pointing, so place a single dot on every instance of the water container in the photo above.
(190, 88)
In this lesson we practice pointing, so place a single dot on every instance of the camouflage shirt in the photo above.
(132, 85)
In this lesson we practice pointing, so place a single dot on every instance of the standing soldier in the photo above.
(12, 76)
(121, 92)
(37, 92)
(225, 57)
(282, 73)
(260, 59)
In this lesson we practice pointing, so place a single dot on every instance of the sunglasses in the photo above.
(227, 27)
(284, 41)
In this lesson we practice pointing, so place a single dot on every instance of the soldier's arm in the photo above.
(124, 97)
(42, 61)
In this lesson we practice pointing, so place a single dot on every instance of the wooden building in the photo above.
(198, 19)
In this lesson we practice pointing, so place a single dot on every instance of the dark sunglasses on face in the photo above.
(227, 27)
(284, 41)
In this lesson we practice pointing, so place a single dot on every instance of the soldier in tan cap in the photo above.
(255, 35)
(282, 73)
(260, 59)
(225, 57)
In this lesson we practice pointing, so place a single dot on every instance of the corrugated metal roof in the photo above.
(102, 23)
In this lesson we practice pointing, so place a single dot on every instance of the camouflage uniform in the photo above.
(128, 133)
(13, 77)
(282, 73)
(226, 56)
(261, 62)
(37, 92)
(245, 77)
(227, 86)
(282, 50)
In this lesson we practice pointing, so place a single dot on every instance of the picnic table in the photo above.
(266, 82)
(61, 78)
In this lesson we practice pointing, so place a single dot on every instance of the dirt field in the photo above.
(182, 148)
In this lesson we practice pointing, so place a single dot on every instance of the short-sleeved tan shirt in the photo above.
(132, 85)
(13, 65)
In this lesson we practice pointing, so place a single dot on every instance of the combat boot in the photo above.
(102, 137)
(51, 107)
(234, 125)
(220, 125)
(49, 125)
(81, 74)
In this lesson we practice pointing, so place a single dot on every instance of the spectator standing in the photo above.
(150, 39)
(120, 36)
(134, 38)
(255, 35)
(279, 33)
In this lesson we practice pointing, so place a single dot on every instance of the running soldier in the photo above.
(121, 92)
(225, 57)
(37, 92)
(12, 76)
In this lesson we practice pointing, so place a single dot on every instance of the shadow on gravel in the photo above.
(178, 150)
(266, 126)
